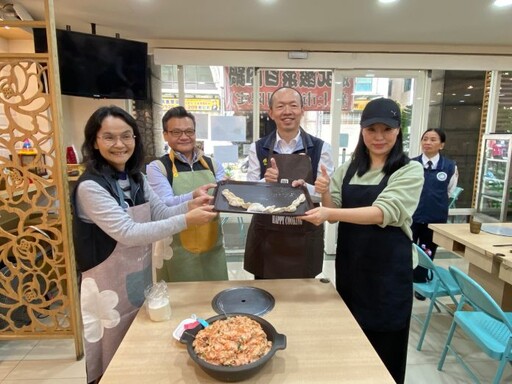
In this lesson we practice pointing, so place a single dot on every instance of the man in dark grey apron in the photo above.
(284, 246)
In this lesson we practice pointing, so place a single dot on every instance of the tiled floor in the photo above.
(52, 361)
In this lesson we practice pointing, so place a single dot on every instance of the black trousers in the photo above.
(392, 350)
(422, 235)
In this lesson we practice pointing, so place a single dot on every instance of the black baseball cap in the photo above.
(381, 110)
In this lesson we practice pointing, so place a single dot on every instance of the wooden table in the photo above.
(324, 342)
(491, 266)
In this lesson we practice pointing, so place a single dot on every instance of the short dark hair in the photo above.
(271, 99)
(177, 112)
(396, 158)
(92, 157)
(440, 133)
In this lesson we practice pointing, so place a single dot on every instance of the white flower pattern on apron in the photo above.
(98, 310)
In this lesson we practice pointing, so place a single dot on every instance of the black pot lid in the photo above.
(251, 300)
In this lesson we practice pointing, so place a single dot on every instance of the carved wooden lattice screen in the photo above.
(38, 294)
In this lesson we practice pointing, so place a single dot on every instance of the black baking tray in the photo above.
(278, 194)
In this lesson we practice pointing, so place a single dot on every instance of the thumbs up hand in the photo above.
(272, 173)
(322, 182)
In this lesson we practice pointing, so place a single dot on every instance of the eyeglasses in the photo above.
(179, 132)
(126, 138)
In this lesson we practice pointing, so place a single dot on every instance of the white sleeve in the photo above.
(453, 181)
(254, 171)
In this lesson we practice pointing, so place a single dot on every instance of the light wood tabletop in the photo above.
(324, 342)
(489, 256)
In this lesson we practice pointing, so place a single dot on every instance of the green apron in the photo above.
(197, 253)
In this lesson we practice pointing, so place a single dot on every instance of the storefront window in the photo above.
(221, 98)
(356, 93)
(223, 126)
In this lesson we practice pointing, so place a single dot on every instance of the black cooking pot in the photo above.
(241, 372)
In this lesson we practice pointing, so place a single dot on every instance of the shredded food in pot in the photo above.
(235, 341)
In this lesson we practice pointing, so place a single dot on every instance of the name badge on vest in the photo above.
(442, 176)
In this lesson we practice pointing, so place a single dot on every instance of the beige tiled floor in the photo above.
(52, 361)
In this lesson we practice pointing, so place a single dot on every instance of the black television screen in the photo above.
(99, 66)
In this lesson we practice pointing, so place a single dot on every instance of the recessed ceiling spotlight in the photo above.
(502, 3)
(387, 1)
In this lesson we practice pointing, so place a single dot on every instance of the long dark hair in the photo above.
(396, 158)
(92, 157)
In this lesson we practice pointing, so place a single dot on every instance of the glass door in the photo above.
(352, 91)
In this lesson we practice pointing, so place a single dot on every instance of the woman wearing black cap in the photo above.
(373, 197)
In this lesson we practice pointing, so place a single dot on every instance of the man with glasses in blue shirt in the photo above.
(181, 175)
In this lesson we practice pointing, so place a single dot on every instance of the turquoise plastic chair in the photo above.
(442, 284)
(455, 196)
(487, 325)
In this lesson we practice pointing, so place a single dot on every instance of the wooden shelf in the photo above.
(23, 23)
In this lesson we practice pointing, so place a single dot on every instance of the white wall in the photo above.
(18, 46)
(21, 46)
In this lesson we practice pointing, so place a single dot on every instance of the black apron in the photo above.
(284, 247)
(373, 265)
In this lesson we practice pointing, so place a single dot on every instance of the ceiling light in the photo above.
(502, 3)
(387, 1)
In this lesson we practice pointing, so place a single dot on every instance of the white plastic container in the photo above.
(158, 305)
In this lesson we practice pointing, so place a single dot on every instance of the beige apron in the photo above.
(110, 295)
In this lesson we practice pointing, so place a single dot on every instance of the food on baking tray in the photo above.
(235, 341)
(236, 201)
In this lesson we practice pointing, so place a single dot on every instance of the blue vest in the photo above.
(434, 200)
(313, 144)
